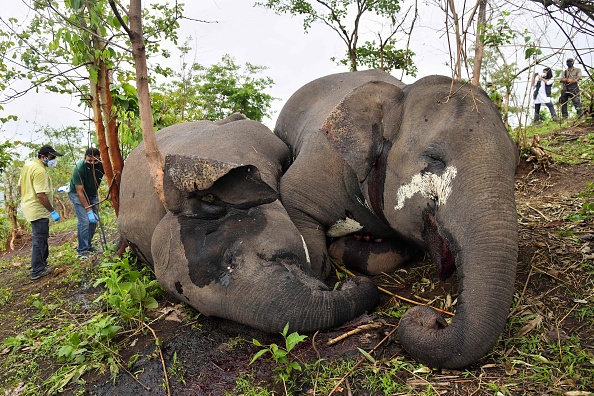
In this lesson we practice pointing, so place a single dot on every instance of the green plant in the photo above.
(177, 369)
(128, 291)
(281, 356)
(244, 387)
(6, 295)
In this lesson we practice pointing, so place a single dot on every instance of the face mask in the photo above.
(569, 64)
(51, 163)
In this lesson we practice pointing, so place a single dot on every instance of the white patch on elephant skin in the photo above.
(429, 185)
(343, 227)
(306, 250)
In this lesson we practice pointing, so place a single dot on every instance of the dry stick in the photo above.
(525, 287)
(162, 358)
(313, 344)
(389, 293)
(344, 377)
(369, 326)
(539, 212)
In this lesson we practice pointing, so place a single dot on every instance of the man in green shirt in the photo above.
(571, 90)
(86, 177)
(35, 188)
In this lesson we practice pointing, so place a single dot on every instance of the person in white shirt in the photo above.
(542, 93)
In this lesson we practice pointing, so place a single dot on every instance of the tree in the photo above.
(215, 92)
(336, 13)
(76, 47)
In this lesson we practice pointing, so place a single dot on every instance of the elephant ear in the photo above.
(358, 126)
(203, 187)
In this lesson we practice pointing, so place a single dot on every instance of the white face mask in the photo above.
(51, 163)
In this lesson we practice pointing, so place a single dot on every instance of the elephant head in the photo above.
(435, 165)
(225, 245)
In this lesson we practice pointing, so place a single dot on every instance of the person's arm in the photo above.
(80, 191)
(44, 200)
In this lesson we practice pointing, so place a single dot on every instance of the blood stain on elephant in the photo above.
(429, 185)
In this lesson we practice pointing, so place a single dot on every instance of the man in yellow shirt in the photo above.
(35, 188)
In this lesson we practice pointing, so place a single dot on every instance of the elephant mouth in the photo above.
(439, 248)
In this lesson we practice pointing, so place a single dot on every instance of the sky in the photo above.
(249, 34)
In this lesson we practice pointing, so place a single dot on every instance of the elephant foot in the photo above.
(369, 255)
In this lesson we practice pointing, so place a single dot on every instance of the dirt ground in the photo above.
(208, 354)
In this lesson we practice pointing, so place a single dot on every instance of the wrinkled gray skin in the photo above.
(226, 246)
(428, 166)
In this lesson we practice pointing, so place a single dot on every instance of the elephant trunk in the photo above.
(482, 239)
(304, 306)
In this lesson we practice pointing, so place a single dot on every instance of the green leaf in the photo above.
(258, 355)
(367, 355)
(150, 303)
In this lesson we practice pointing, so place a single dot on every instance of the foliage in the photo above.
(281, 356)
(128, 291)
(385, 57)
(63, 38)
(213, 93)
(337, 15)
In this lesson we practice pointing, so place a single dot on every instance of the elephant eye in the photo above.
(435, 161)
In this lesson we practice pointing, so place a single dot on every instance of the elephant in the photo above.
(385, 170)
(224, 244)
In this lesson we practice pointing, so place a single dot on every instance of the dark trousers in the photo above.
(574, 96)
(39, 245)
(537, 111)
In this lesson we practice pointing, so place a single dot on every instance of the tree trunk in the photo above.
(100, 128)
(154, 157)
(479, 45)
(457, 67)
(111, 135)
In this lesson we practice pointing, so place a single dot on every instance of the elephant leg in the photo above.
(371, 256)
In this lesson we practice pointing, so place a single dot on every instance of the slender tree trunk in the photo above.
(479, 45)
(457, 68)
(154, 157)
(111, 134)
(100, 128)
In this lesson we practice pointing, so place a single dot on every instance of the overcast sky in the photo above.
(249, 34)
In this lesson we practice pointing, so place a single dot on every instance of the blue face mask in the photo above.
(569, 64)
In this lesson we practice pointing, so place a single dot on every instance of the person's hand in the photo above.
(55, 215)
(92, 216)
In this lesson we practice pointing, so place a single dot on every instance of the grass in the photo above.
(67, 330)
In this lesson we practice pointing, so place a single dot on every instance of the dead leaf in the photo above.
(554, 223)
(509, 368)
(554, 335)
(578, 393)
(528, 327)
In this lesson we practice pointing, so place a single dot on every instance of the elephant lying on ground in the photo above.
(426, 166)
(225, 245)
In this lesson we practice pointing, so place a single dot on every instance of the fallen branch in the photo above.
(369, 326)
(344, 377)
(338, 266)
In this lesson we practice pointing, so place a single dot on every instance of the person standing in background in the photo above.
(542, 93)
(86, 178)
(571, 90)
(36, 191)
